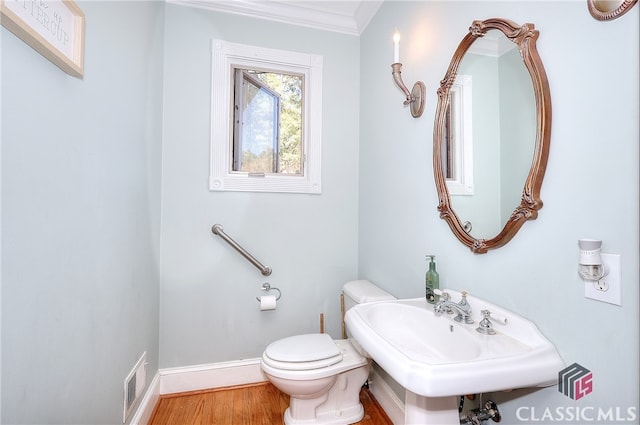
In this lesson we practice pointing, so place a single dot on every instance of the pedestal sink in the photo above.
(437, 359)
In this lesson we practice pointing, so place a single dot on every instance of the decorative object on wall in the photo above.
(414, 98)
(55, 29)
(606, 10)
(535, 143)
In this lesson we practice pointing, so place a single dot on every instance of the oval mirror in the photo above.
(606, 10)
(491, 134)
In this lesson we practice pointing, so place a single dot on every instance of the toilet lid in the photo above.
(308, 351)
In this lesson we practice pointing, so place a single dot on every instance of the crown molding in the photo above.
(348, 17)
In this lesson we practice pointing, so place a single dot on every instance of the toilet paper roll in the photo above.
(267, 302)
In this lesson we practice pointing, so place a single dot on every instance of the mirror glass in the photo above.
(502, 119)
(491, 134)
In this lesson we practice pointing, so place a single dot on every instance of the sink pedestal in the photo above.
(419, 410)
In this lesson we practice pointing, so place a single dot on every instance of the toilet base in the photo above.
(350, 415)
(339, 406)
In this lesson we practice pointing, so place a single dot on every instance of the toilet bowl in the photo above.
(322, 376)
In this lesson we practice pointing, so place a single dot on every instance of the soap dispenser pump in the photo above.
(432, 281)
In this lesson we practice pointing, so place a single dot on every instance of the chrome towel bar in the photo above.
(217, 230)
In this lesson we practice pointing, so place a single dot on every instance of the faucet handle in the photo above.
(485, 327)
(500, 319)
(463, 300)
(443, 294)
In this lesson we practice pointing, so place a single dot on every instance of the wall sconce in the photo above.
(414, 98)
(590, 266)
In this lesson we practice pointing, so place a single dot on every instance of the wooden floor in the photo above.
(257, 404)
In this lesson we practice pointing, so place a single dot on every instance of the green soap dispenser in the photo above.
(432, 281)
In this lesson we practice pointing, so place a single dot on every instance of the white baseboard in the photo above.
(386, 398)
(240, 372)
(194, 378)
(214, 375)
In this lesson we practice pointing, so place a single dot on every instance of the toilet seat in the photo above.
(303, 352)
(348, 358)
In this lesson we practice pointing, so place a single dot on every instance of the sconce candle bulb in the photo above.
(396, 47)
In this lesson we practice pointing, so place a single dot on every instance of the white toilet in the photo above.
(322, 376)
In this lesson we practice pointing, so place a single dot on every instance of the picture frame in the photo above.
(54, 28)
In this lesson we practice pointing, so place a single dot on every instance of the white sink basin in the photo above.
(434, 356)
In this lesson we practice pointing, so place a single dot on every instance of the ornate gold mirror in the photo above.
(606, 10)
(491, 134)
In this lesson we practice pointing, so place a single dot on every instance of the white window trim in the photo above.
(226, 56)
(461, 114)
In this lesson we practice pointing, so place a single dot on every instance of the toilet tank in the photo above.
(363, 291)
(358, 292)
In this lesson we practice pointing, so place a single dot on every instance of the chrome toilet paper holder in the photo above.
(267, 287)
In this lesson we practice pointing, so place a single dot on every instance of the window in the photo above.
(266, 122)
(457, 144)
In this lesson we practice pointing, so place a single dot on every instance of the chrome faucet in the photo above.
(463, 308)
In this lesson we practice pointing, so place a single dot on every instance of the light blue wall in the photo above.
(208, 308)
(590, 188)
(80, 218)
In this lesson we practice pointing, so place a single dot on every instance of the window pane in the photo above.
(267, 122)
(256, 122)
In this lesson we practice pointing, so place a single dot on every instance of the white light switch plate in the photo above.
(612, 282)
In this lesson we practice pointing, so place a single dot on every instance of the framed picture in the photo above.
(54, 28)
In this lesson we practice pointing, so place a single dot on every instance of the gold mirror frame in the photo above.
(606, 10)
(524, 37)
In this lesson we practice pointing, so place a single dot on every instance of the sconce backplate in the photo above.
(418, 97)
